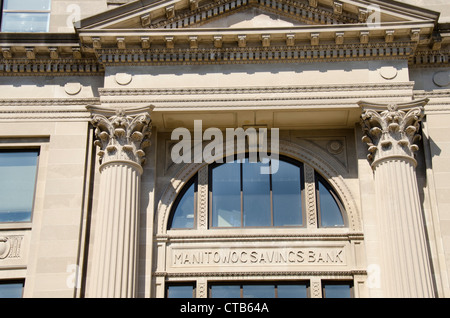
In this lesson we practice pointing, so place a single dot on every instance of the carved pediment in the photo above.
(177, 14)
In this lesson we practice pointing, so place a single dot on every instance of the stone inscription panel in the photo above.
(247, 256)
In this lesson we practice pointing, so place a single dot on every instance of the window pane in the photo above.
(337, 291)
(226, 195)
(21, 5)
(11, 290)
(180, 292)
(25, 22)
(286, 194)
(17, 182)
(330, 214)
(292, 291)
(183, 217)
(258, 291)
(256, 190)
(225, 291)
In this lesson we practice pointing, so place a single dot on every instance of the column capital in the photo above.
(392, 130)
(121, 133)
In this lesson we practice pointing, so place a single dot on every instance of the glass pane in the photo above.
(258, 291)
(225, 291)
(292, 291)
(17, 182)
(25, 22)
(226, 195)
(21, 5)
(286, 194)
(180, 292)
(256, 190)
(337, 291)
(183, 217)
(11, 290)
(330, 214)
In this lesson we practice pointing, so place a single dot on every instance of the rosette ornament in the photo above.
(392, 130)
(122, 134)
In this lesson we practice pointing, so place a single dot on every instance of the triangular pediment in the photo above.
(253, 17)
(224, 14)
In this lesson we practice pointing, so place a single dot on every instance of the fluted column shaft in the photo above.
(391, 134)
(116, 232)
(122, 134)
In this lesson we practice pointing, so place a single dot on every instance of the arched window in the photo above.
(243, 195)
(183, 216)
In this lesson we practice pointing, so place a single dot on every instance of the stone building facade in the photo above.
(114, 117)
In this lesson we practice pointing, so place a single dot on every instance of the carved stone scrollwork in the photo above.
(122, 133)
(4, 247)
(392, 130)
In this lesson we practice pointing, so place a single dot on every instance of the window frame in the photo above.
(326, 184)
(307, 179)
(26, 11)
(37, 149)
(187, 283)
(294, 162)
(338, 283)
(14, 281)
(186, 186)
(259, 283)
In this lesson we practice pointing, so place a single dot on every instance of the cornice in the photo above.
(150, 12)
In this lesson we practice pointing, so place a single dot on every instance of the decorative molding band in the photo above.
(353, 236)
(25, 67)
(57, 102)
(255, 90)
(330, 53)
(349, 273)
(431, 58)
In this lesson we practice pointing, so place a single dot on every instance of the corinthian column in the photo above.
(121, 134)
(391, 132)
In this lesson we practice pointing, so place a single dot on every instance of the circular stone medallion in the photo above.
(442, 79)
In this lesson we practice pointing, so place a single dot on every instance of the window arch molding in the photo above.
(318, 159)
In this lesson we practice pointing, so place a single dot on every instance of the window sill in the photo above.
(16, 226)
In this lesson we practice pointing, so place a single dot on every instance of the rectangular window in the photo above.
(337, 289)
(11, 289)
(17, 184)
(252, 290)
(26, 15)
(180, 291)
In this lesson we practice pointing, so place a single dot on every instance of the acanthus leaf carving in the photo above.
(392, 129)
(122, 133)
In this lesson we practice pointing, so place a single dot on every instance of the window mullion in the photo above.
(310, 197)
(242, 192)
(202, 198)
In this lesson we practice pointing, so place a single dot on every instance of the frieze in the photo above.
(296, 256)
(271, 54)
